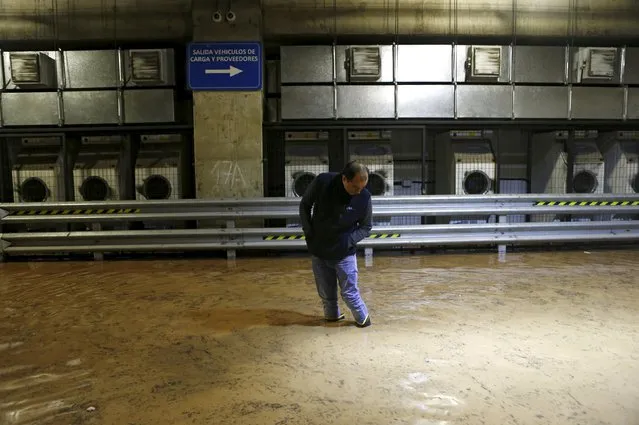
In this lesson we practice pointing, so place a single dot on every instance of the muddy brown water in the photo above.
(542, 338)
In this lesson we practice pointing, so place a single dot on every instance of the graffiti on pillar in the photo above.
(228, 173)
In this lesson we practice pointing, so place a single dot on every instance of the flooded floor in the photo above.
(543, 338)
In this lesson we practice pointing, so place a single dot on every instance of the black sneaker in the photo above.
(367, 322)
(337, 319)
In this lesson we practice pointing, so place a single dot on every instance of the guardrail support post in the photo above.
(97, 256)
(3, 244)
(501, 249)
(368, 257)
(230, 253)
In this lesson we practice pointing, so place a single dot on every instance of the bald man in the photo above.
(341, 217)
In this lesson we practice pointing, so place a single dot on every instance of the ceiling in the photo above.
(174, 19)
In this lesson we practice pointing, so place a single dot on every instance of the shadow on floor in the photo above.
(234, 319)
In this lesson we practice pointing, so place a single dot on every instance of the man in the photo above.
(341, 217)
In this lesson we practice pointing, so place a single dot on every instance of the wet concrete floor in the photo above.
(543, 338)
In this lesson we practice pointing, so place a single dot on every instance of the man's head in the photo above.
(354, 177)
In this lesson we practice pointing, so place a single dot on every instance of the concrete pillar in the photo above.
(227, 124)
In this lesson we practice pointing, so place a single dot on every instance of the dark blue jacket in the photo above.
(338, 221)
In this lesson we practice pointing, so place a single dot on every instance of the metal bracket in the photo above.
(230, 253)
(368, 257)
(501, 249)
(97, 256)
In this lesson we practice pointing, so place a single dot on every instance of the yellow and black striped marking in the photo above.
(302, 237)
(283, 237)
(587, 204)
(385, 236)
(77, 211)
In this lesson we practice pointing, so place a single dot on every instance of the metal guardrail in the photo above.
(231, 239)
(229, 209)
(290, 239)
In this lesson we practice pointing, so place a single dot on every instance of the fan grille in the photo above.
(34, 189)
(476, 183)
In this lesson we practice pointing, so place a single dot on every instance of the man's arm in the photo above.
(306, 204)
(365, 226)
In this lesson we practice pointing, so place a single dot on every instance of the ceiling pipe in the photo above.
(164, 19)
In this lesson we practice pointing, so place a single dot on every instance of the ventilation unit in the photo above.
(154, 184)
(595, 63)
(157, 180)
(588, 168)
(587, 172)
(302, 163)
(364, 63)
(96, 174)
(32, 70)
(35, 186)
(475, 173)
(157, 174)
(95, 188)
(475, 168)
(622, 168)
(152, 67)
(36, 172)
(485, 62)
(378, 157)
(622, 165)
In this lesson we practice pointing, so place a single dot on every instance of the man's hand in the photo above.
(365, 226)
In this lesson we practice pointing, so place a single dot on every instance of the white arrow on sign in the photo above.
(232, 71)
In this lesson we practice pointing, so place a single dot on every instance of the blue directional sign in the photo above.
(225, 66)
